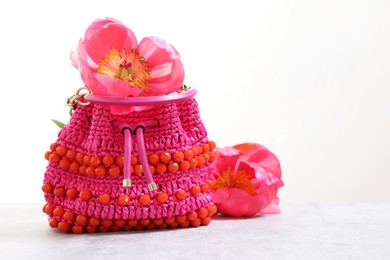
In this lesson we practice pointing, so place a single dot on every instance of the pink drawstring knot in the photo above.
(138, 131)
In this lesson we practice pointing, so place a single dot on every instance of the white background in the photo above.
(308, 79)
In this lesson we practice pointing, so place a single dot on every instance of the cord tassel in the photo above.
(127, 161)
(139, 131)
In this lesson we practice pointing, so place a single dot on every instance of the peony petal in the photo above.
(237, 203)
(272, 208)
(117, 87)
(104, 35)
(157, 51)
(169, 83)
(226, 158)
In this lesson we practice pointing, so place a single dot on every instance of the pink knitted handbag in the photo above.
(148, 169)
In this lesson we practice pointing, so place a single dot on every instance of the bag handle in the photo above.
(141, 101)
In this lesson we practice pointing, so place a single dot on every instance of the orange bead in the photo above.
(114, 171)
(173, 225)
(63, 226)
(100, 171)
(158, 221)
(124, 200)
(59, 192)
(205, 148)
(151, 226)
(134, 160)
(83, 169)
(212, 210)
(138, 169)
(47, 155)
(201, 160)
(87, 159)
(162, 197)
(49, 208)
(196, 222)
(77, 229)
(193, 163)
(94, 222)
(81, 220)
(74, 166)
(71, 155)
(206, 157)
(58, 212)
(132, 222)
(119, 223)
(53, 223)
(144, 222)
(90, 171)
(188, 155)
(195, 150)
(213, 155)
(195, 190)
(85, 195)
(53, 147)
(61, 150)
(161, 168)
(104, 198)
(47, 187)
(173, 167)
(64, 163)
(54, 158)
(68, 215)
(212, 145)
(114, 228)
(192, 216)
(95, 161)
(184, 224)
(138, 227)
(153, 159)
(205, 187)
(103, 229)
(178, 157)
(127, 228)
(202, 213)
(206, 221)
(119, 160)
(185, 165)
(180, 218)
(91, 229)
(106, 222)
(169, 221)
(165, 158)
(180, 194)
(152, 169)
(108, 160)
(144, 199)
(162, 226)
(80, 157)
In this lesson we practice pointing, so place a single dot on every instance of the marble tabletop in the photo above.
(301, 231)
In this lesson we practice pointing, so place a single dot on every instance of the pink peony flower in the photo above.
(247, 180)
(112, 63)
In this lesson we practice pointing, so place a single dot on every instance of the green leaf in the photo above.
(58, 123)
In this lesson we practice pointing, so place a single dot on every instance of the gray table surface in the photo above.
(302, 231)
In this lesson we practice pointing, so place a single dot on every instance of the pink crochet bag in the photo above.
(148, 169)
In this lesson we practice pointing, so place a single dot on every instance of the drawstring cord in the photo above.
(139, 133)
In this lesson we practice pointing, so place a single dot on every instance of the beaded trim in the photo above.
(109, 165)
(68, 221)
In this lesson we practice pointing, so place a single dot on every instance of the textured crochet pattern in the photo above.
(83, 180)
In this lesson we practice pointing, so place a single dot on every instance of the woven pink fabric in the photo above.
(92, 131)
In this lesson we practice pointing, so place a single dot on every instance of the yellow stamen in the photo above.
(231, 179)
(127, 65)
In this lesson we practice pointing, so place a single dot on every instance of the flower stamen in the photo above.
(232, 179)
(126, 65)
